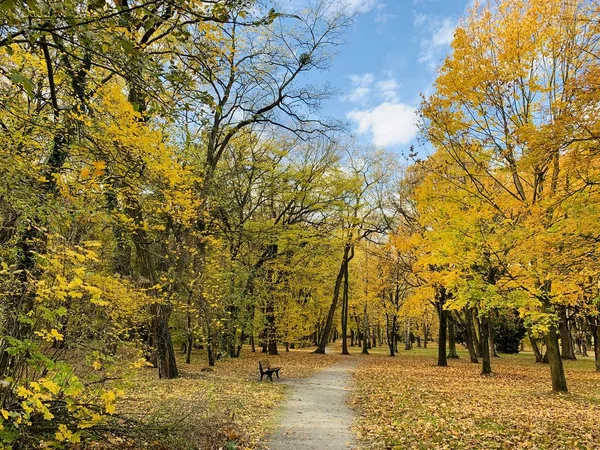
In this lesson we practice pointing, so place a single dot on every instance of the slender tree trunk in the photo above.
(345, 313)
(425, 336)
(476, 340)
(366, 340)
(442, 316)
(407, 341)
(469, 337)
(491, 337)
(539, 358)
(190, 339)
(271, 330)
(566, 339)
(324, 338)
(391, 334)
(188, 330)
(451, 340)
(486, 368)
(596, 336)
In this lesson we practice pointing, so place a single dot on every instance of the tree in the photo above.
(494, 129)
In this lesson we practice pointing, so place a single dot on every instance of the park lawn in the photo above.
(408, 402)
(224, 406)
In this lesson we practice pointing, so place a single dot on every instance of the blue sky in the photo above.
(390, 56)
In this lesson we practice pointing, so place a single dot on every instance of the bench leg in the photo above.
(261, 376)
(277, 373)
(271, 377)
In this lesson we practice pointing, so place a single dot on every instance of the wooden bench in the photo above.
(265, 369)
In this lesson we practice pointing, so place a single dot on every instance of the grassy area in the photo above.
(225, 406)
(408, 402)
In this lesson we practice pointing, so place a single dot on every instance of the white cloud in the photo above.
(419, 19)
(361, 88)
(366, 79)
(389, 123)
(360, 6)
(445, 33)
(388, 90)
(441, 33)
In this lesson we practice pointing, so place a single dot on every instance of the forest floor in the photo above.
(404, 402)
(225, 406)
(407, 402)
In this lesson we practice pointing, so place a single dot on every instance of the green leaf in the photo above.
(19, 78)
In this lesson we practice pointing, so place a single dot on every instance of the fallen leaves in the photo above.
(212, 409)
(408, 402)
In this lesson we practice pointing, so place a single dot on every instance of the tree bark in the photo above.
(596, 336)
(539, 358)
(442, 316)
(566, 340)
(391, 334)
(493, 351)
(486, 367)
(451, 340)
(271, 330)
(324, 338)
(166, 363)
(366, 340)
(469, 331)
(345, 312)
(557, 372)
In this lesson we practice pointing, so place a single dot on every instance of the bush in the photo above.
(508, 332)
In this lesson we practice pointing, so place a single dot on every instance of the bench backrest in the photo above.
(264, 364)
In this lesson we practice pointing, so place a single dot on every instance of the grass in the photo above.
(408, 402)
(225, 406)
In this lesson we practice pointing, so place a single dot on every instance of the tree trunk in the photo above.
(188, 331)
(166, 363)
(469, 331)
(391, 334)
(486, 368)
(451, 340)
(425, 336)
(407, 341)
(566, 340)
(491, 337)
(271, 331)
(324, 338)
(536, 350)
(442, 316)
(210, 353)
(596, 336)
(476, 339)
(345, 313)
(557, 372)
(366, 340)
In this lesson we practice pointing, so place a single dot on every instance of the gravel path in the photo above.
(315, 414)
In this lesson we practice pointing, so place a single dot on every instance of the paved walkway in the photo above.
(315, 415)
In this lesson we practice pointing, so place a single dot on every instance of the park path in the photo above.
(315, 415)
